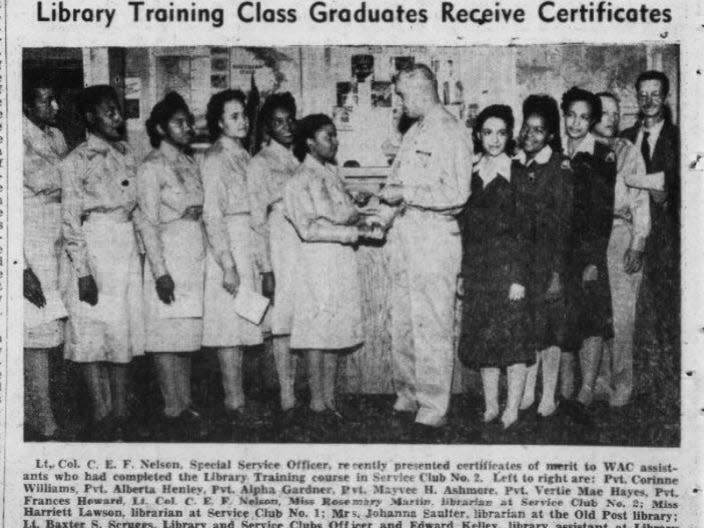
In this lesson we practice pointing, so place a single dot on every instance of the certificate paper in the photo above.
(250, 305)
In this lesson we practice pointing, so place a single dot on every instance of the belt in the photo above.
(52, 198)
(119, 216)
(246, 213)
(427, 214)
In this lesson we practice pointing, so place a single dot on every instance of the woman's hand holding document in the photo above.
(250, 305)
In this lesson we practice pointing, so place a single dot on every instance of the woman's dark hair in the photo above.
(216, 105)
(31, 86)
(162, 112)
(283, 101)
(306, 129)
(502, 112)
(546, 108)
(575, 94)
(91, 97)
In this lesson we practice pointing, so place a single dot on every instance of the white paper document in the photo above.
(250, 305)
(187, 304)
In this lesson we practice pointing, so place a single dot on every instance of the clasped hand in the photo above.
(371, 231)
(391, 194)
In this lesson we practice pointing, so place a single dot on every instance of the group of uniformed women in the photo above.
(534, 277)
(208, 231)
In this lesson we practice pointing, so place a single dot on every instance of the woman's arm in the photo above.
(71, 170)
(215, 201)
(149, 202)
(301, 211)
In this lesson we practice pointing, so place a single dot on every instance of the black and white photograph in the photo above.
(352, 244)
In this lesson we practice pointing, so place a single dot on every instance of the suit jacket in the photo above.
(665, 157)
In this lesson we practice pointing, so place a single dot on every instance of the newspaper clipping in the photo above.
(351, 264)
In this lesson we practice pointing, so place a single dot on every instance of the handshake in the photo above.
(391, 194)
(370, 225)
(370, 229)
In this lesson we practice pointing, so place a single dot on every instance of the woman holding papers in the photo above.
(104, 287)
(593, 166)
(230, 264)
(328, 316)
(44, 147)
(267, 175)
(171, 200)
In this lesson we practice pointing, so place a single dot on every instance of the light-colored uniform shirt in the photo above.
(318, 206)
(225, 193)
(434, 164)
(168, 182)
(631, 204)
(43, 150)
(96, 177)
(267, 175)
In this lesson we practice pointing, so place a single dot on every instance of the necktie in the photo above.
(645, 150)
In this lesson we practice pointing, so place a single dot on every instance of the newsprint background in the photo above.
(648, 478)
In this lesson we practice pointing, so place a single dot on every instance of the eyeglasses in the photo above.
(653, 96)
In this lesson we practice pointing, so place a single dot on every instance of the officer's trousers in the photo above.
(426, 254)
(624, 293)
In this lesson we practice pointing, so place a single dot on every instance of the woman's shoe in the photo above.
(193, 424)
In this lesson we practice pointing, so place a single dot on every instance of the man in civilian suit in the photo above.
(658, 141)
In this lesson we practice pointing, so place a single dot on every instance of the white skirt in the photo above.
(42, 249)
(222, 327)
(328, 312)
(184, 253)
(113, 329)
(284, 244)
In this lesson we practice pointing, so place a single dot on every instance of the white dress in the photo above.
(99, 217)
(169, 183)
(226, 213)
(43, 150)
(327, 292)
(267, 175)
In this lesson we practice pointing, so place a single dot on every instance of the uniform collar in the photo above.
(33, 132)
(98, 144)
(231, 145)
(315, 165)
(280, 152)
(169, 151)
(541, 158)
(434, 114)
(586, 145)
(489, 168)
